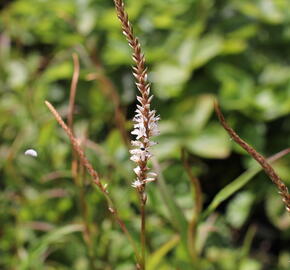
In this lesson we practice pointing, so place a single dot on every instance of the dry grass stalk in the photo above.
(283, 190)
(145, 121)
(77, 148)
(96, 179)
(78, 171)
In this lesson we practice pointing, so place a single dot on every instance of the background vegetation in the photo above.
(238, 51)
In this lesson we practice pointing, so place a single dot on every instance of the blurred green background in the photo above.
(237, 51)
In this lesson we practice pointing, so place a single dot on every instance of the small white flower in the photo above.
(139, 131)
(137, 143)
(30, 152)
(137, 184)
(135, 158)
(137, 170)
(139, 154)
(152, 174)
(145, 126)
(149, 179)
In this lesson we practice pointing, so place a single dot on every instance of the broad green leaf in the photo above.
(201, 112)
(169, 79)
(212, 142)
(207, 48)
(239, 208)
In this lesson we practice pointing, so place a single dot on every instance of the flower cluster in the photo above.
(144, 128)
(145, 120)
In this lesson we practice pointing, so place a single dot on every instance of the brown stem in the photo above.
(78, 172)
(140, 74)
(283, 190)
(139, 70)
(143, 198)
(278, 155)
(95, 177)
(76, 147)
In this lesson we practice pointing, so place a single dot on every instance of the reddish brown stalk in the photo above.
(139, 71)
(143, 229)
(95, 177)
(283, 190)
(77, 148)
(140, 74)
(197, 206)
(78, 172)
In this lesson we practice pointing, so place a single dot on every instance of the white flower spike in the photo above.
(145, 127)
(30, 152)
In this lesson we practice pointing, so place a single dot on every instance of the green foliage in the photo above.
(237, 51)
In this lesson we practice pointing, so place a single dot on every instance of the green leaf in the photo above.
(233, 187)
(239, 209)
(60, 71)
(169, 79)
(207, 48)
(250, 264)
(18, 73)
(234, 46)
(212, 142)
(264, 10)
(160, 253)
(177, 217)
(275, 210)
(201, 112)
(35, 255)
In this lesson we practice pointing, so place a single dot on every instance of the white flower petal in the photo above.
(136, 184)
(149, 179)
(137, 170)
(135, 158)
(152, 174)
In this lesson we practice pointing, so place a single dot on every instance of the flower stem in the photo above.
(143, 230)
